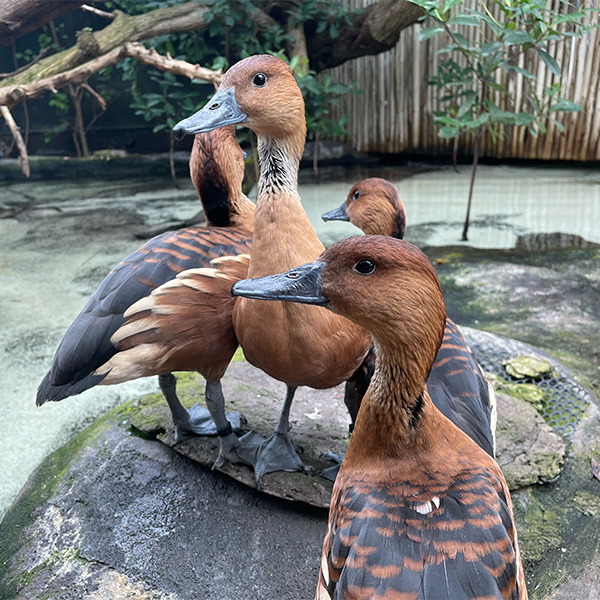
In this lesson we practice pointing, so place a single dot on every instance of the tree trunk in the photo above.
(478, 135)
(372, 31)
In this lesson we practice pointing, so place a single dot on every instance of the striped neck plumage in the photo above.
(279, 165)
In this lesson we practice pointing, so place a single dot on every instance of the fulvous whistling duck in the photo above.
(299, 345)
(456, 384)
(90, 354)
(418, 511)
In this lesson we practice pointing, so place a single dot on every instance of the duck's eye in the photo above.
(364, 267)
(259, 80)
(356, 195)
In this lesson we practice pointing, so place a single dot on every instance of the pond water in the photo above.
(53, 257)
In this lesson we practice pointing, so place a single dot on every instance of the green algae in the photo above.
(522, 366)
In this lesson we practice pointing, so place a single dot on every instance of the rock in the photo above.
(526, 448)
(522, 366)
(529, 392)
(112, 515)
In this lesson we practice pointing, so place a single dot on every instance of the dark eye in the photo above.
(259, 80)
(356, 194)
(364, 267)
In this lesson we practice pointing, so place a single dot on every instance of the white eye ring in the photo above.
(259, 80)
(364, 266)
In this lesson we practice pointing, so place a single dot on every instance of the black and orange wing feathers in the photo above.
(86, 345)
(460, 391)
(398, 540)
(184, 325)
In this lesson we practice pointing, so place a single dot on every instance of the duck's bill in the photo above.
(302, 284)
(338, 214)
(221, 110)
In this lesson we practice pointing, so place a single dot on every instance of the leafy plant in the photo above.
(166, 107)
(474, 99)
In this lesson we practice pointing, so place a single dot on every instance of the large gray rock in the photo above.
(124, 517)
(526, 448)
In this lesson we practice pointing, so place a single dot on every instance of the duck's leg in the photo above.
(215, 402)
(275, 453)
(198, 419)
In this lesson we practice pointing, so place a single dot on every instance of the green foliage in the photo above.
(328, 15)
(320, 95)
(167, 107)
(469, 86)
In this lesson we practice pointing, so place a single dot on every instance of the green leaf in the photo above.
(490, 48)
(464, 20)
(523, 72)
(550, 62)
(429, 32)
(466, 106)
(461, 39)
(449, 132)
(524, 119)
(517, 37)
(564, 105)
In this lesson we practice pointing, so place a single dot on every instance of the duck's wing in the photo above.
(184, 325)
(455, 544)
(86, 345)
(460, 391)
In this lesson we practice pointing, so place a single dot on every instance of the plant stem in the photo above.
(316, 156)
(172, 159)
(464, 237)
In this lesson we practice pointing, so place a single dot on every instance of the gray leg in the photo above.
(275, 453)
(198, 419)
(215, 402)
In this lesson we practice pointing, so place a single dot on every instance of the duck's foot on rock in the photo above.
(331, 472)
(200, 422)
(276, 453)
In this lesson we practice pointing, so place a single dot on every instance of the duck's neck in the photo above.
(279, 164)
(283, 236)
(396, 413)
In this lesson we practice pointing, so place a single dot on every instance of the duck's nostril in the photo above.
(214, 106)
(292, 275)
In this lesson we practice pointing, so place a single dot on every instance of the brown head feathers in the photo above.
(374, 206)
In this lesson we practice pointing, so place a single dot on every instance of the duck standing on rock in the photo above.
(456, 383)
(298, 345)
(93, 353)
(419, 511)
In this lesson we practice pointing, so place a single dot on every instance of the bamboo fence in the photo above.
(395, 112)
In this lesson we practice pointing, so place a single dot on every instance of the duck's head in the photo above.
(374, 206)
(258, 92)
(386, 285)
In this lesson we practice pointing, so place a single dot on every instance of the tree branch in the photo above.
(124, 28)
(16, 133)
(39, 57)
(372, 31)
(13, 95)
(18, 17)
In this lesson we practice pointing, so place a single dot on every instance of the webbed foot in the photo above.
(276, 453)
(331, 472)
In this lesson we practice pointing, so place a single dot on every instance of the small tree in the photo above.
(469, 79)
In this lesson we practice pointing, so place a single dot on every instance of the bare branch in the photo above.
(149, 56)
(16, 133)
(98, 12)
(123, 29)
(10, 96)
(101, 101)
